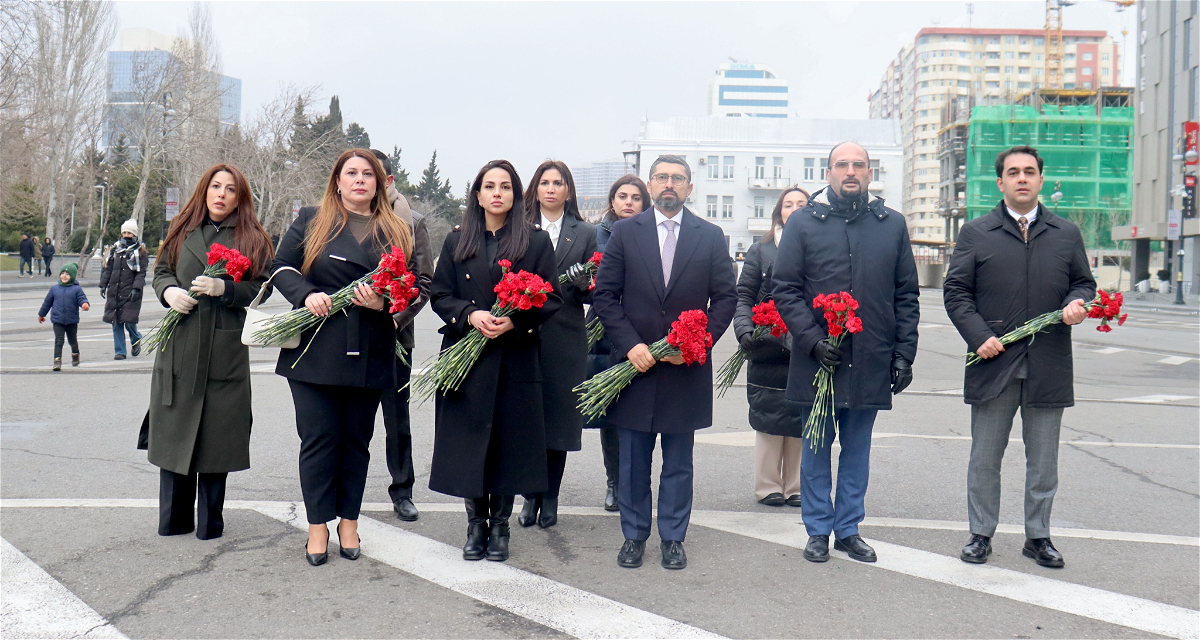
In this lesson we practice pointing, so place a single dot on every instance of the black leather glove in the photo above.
(103, 293)
(746, 341)
(901, 373)
(579, 277)
(827, 354)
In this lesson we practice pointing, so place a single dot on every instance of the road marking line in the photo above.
(1174, 360)
(38, 606)
(747, 438)
(1074, 599)
(573, 611)
(1109, 350)
(1157, 398)
(932, 325)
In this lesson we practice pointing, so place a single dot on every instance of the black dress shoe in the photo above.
(136, 349)
(977, 550)
(548, 514)
(630, 555)
(773, 500)
(673, 555)
(119, 356)
(529, 511)
(406, 510)
(793, 501)
(610, 497)
(1043, 552)
(856, 548)
(817, 549)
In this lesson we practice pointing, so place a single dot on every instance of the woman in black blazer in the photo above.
(551, 203)
(488, 446)
(349, 362)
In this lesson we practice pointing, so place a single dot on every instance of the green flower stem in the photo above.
(1029, 329)
(599, 391)
(823, 403)
(279, 329)
(452, 365)
(729, 371)
(595, 331)
(157, 337)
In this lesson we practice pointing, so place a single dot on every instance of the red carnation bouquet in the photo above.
(1105, 307)
(222, 261)
(516, 291)
(766, 320)
(840, 317)
(390, 279)
(689, 338)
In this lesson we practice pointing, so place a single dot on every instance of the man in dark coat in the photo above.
(398, 441)
(26, 255)
(658, 264)
(1010, 266)
(121, 284)
(846, 240)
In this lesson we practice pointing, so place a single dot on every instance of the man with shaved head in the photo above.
(846, 240)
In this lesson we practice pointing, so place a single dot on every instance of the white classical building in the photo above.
(740, 166)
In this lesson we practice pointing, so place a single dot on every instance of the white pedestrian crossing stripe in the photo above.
(35, 605)
(1174, 360)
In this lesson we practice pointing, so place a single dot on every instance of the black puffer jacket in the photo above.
(123, 288)
(767, 370)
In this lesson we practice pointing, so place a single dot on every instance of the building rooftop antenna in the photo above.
(970, 13)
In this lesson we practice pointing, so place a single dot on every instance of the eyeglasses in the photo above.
(676, 180)
(842, 165)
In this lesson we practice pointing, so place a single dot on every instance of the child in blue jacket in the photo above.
(64, 301)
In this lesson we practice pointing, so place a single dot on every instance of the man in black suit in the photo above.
(658, 264)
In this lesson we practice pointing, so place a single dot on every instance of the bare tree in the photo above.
(18, 49)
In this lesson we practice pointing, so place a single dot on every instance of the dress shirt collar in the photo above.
(1031, 216)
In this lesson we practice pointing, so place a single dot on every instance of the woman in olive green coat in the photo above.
(198, 426)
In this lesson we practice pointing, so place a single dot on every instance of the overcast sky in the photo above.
(567, 80)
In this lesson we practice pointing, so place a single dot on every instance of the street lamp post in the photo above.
(72, 213)
(1179, 278)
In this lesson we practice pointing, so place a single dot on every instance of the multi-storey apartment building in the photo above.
(984, 66)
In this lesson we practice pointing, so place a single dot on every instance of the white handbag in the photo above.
(256, 320)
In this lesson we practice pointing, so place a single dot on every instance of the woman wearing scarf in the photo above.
(121, 284)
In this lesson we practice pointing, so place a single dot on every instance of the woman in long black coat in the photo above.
(488, 445)
(551, 203)
(627, 197)
(121, 284)
(350, 358)
(198, 425)
(779, 422)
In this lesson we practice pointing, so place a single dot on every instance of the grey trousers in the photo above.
(991, 423)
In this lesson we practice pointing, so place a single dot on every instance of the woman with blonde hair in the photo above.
(342, 366)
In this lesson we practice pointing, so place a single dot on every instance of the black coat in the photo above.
(564, 342)
(600, 355)
(123, 288)
(869, 257)
(395, 405)
(767, 362)
(635, 307)
(488, 436)
(27, 248)
(48, 251)
(352, 349)
(989, 291)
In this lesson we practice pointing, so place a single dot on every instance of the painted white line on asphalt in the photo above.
(1157, 398)
(1174, 360)
(38, 606)
(746, 439)
(1089, 602)
(1109, 350)
(932, 325)
(552, 604)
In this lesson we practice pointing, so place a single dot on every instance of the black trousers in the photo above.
(335, 425)
(177, 495)
(398, 441)
(70, 332)
(610, 446)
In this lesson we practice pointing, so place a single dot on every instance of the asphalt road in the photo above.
(81, 554)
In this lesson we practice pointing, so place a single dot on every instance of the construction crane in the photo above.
(1054, 38)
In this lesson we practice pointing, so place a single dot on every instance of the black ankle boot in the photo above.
(610, 497)
(477, 528)
(497, 544)
(529, 510)
(548, 517)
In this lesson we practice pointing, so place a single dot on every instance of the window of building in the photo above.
(1087, 71)
(727, 168)
(921, 187)
(1024, 40)
(1068, 85)
(924, 69)
(1069, 71)
(1023, 85)
(760, 206)
(875, 171)
(922, 113)
(1009, 55)
(1087, 55)
(714, 168)
(979, 55)
(1038, 42)
(824, 169)
(809, 169)
(1103, 71)
(726, 207)
(993, 69)
(964, 69)
(1087, 85)
(1008, 69)
(1023, 70)
(760, 168)
(993, 55)
(778, 167)
(978, 69)
(1068, 56)
(1009, 39)
(1038, 56)
(1023, 56)
(1038, 71)
(1104, 56)
(964, 84)
(978, 40)
(993, 85)
(964, 54)
(994, 41)
(711, 210)
(925, 84)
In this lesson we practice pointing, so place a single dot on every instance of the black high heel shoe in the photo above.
(318, 559)
(529, 510)
(350, 554)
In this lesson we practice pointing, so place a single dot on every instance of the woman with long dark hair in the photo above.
(342, 366)
(551, 203)
(198, 426)
(779, 422)
(627, 197)
(488, 446)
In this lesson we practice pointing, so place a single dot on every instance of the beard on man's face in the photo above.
(849, 189)
(668, 200)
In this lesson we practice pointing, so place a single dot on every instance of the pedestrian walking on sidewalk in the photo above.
(489, 440)
(1010, 266)
(63, 302)
(845, 239)
(48, 255)
(345, 364)
(777, 421)
(121, 284)
(27, 249)
(198, 426)
(551, 203)
(37, 257)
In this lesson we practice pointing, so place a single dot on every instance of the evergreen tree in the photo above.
(402, 184)
(357, 137)
(434, 194)
(120, 152)
(302, 134)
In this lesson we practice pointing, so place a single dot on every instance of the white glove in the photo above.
(207, 286)
(179, 300)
